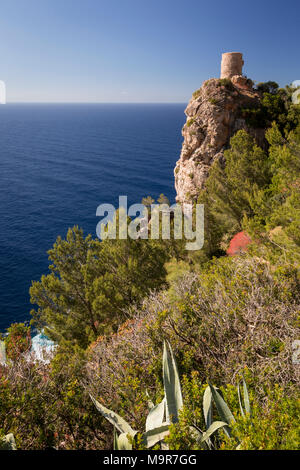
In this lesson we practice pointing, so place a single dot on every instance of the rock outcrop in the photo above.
(214, 115)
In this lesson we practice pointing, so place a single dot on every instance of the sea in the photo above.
(58, 163)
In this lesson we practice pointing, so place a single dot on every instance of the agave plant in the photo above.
(212, 395)
(160, 416)
(167, 411)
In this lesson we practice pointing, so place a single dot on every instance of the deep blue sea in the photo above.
(58, 162)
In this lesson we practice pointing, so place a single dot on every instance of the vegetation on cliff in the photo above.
(111, 305)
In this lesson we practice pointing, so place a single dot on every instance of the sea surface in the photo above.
(58, 162)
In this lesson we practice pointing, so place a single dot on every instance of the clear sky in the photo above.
(140, 50)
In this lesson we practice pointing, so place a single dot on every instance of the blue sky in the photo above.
(139, 50)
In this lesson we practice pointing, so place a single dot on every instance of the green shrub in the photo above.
(197, 93)
(274, 424)
(275, 105)
(190, 122)
(18, 341)
(46, 405)
(226, 82)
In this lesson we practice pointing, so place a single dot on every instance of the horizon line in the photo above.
(94, 102)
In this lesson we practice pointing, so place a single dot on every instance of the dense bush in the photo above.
(46, 406)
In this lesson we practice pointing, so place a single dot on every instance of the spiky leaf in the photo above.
(123, 442)
(152, 437)
(155, 417)
(172, 386)
(222, 407)
(212, 429)
(207, 407)
(246, 397)
(116, 444)
(116, 420)
(240, 400)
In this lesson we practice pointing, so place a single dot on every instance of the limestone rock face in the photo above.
(213, 117)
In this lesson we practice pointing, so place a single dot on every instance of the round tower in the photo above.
(232, 64)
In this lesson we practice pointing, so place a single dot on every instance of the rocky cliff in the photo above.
(214, 115)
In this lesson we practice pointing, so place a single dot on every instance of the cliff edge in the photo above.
(214, 115)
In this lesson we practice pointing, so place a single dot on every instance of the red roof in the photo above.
(238, 244)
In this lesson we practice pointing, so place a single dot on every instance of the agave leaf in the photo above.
(171, 383)
(164, 446)
(8, 442)
(156, 435)
(116, 420)
(116, 443)
(240, 401)
(212, 429)
(167, 411)
(222, 407)
(123, 442)
(207, 408)
(246, 397)
(155, 417)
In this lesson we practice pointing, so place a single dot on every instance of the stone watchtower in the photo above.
(232, 64)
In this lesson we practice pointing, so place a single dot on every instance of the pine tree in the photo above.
(91, 283)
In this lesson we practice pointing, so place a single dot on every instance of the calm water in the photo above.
(58, 163)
